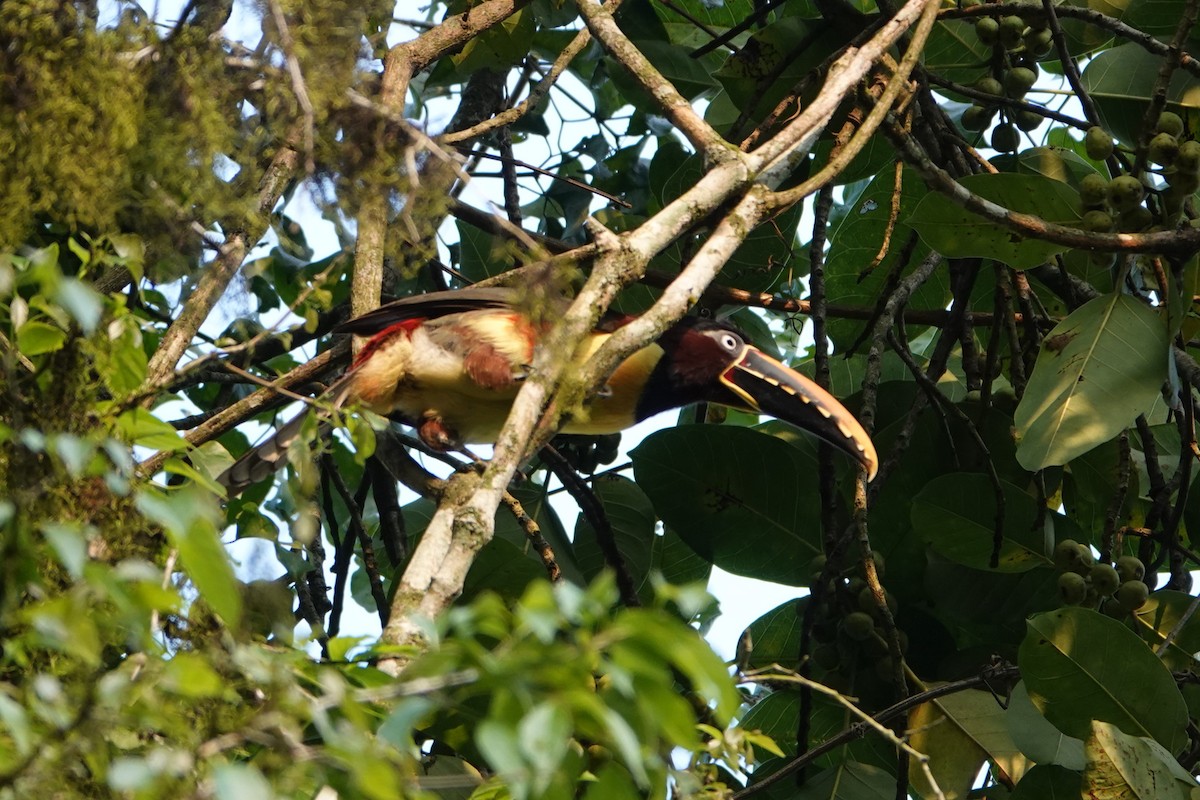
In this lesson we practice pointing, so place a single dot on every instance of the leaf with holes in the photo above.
(1098, 369)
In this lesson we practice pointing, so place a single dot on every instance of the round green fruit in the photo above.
(1112, 608)
(1006, 138)
(1011, 31)
(988, 30)
(874, 646)
(858, 626)
(1097, 143)
(1097, 221)
(1184, 181)
(1170, 123)
(1125, 192)
(1018, 81)
(1093, 190)
(1188, 157)
(977, 118)
(1028, 120)
(1135, 220)
(1086, 559)
(827, 657)
(816, 566)
(1104, 579)
(1164, 148)
(1130, 568)
(1132, 595)
(1072, 588)
(1039, 42)
(989, 85)
(866, 602)
(1066, 554)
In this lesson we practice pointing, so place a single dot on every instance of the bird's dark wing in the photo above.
(429, 306)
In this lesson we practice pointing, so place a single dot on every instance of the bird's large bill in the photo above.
(766, 385)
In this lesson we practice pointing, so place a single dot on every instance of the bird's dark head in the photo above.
(706, 361)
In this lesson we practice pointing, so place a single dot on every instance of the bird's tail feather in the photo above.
(260, 462)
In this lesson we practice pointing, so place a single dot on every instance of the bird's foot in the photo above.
(436, 434)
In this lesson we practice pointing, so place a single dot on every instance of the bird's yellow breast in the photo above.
(413, 377)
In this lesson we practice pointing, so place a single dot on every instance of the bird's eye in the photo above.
(729, 341)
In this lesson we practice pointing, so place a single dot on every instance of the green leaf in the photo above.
(498, 46)
(142, 428)
(776, 715)
(738, 497)
(81, 301)
(946, 226)
(850, 781)
(854, 244)
(1081, 666)
(1056, 163)
(1121, 81)
(956, 515)
(1132, 768)
(240, 782)
(677, 65)
(188, 516)
(631, 517)
(544, 736)
(69, 541)
(1160, 617)
(974, 727)
(35, 338)
(1037, 738)
(480, 254)
(189, 675)
(1047, 782)
(958, 756)
(775, 636)
(953, 50)
(1097, 370)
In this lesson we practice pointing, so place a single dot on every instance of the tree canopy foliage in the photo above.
(976, 223)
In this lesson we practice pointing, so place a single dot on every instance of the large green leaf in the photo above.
(775, 636)
(954, 51)
(956, 515)
(946, 226)
(768, 68)
(1161, 617)
(1038, 739)
(632, 520)
(742, 499)
(975, 723)
(188, 516)
(1121, 81)
(1080, 666)
(1097, 370)
(1132, 768)
(959, 758)
(1047, 782)
(850, 781)
(854, 243)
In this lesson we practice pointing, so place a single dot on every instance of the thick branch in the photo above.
(217, 275)
(403, 62)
